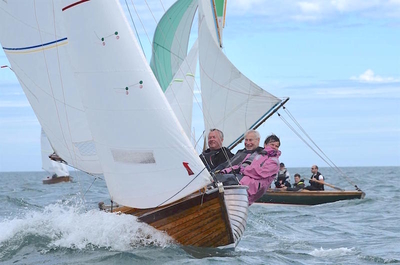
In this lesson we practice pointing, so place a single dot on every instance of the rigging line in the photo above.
(14, 63)
(294, 130)
(181, 188)
(305, 133)
(151, 12)
(134, 26)
(141, 22)
(89, 186)
(162, 5)
(198, 140)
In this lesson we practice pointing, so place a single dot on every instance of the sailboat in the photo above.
(106, 111)
(58, 171)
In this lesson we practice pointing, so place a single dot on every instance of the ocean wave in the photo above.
(336, 252)
(63, 225)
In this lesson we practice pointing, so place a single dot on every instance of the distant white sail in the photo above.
(49, 165)
(34, 41)
(231, 102)
(146, 157)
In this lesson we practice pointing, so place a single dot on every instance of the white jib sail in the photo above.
(146, 157)
(180, 92)
(231, 102)
(35, 44)
(47, 164)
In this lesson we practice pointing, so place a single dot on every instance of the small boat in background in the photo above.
(58, 171)
(306, 197)
(56, 179)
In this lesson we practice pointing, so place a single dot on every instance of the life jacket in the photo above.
(238, 158)
(316, 184)
(212, 158)
(299, 184)
(282, 174)
(251, 158)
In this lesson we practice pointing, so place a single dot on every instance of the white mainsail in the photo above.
(231, 102)
(34, 41)
(49, 165)
(147, 159)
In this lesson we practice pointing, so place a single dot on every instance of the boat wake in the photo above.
(337, 252)
(64, 226)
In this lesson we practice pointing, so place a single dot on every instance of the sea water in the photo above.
(61, 224)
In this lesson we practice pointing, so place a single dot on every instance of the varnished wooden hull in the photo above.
(308, 197)
(51, 180)
(211, 219)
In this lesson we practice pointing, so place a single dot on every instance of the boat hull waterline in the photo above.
(305, 197)
(212, 219)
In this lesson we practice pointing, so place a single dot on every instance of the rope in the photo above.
(326, 159)
(134, 26)
(181, 188)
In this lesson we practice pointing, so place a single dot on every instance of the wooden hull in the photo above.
(51, 180)
(205, 219)
(305, 197)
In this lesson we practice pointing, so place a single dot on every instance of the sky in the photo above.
(337, 60)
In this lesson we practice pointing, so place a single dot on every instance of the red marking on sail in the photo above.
(74, 4)
(186, 165)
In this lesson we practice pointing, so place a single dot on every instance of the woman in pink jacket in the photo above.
(259, 170)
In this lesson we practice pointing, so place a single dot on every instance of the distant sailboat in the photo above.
(105, 111)
(58, 171)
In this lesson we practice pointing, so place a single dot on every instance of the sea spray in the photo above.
(69, 225)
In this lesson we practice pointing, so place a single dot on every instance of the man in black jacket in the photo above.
(216, 154)
(317, 180)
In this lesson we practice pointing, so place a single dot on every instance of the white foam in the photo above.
(72, 227)
(337, 252)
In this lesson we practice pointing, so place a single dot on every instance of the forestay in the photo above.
(231, 102)
(35, 44)
(146, 157)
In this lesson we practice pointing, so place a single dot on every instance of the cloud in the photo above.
(370, 77)
(315, 9)
(14, 104)
(18, 121)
